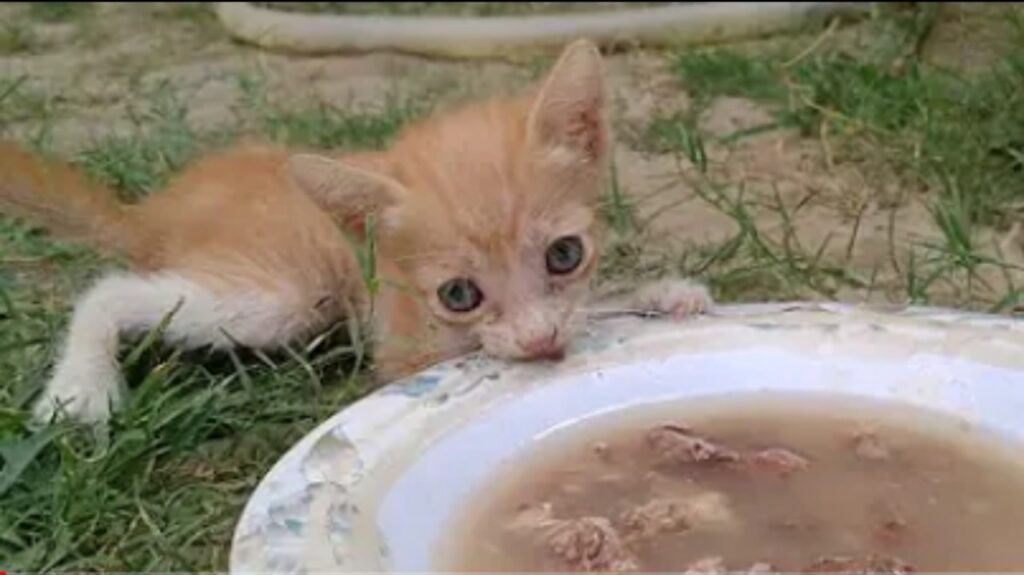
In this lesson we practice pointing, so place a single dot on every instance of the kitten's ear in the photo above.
(346, 192)
(569, 111)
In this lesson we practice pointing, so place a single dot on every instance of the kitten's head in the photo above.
(490, 211)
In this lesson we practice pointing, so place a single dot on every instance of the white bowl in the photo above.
(372, 488)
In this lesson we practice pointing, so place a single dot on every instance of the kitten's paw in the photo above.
(678, 297)
(82, 393)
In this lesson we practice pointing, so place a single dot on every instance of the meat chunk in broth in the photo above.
(678, 444)
(656, 517)
(870, 447)
(778, 460)
(868, 565)
(703, 511)
(713, 565)
(586, 544)
(761, 569)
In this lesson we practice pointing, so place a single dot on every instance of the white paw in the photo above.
(81, 392)
(679, 298)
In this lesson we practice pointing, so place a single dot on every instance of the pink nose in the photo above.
(546, 347)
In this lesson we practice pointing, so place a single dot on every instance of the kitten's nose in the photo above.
(544, 347)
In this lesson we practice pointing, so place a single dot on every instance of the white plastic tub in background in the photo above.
(468, 37)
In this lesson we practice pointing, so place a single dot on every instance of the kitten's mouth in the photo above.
(554, 354)
(550, 348)
(550, 355)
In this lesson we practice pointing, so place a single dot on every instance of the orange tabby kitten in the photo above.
(485, 228)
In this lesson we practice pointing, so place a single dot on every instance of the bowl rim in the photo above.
(403, 397)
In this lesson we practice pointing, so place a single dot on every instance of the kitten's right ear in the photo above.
(569, 110)
(344, 191)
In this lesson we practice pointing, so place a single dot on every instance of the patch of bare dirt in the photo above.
(797, 192)
(969, 36)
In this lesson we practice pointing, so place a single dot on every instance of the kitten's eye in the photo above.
(564, 255)
(460, 295)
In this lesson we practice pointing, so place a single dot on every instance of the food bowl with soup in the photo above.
(757, 438)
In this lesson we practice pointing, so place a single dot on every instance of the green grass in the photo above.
(141, 162)
(199, 16)
(162, 490)
(17, 38)
(326, 126)
(724, 72)
(59, 11)
(20, 103)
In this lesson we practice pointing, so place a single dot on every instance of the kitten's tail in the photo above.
(59, 198)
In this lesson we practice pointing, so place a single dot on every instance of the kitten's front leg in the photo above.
(86, 384)
(679, 298)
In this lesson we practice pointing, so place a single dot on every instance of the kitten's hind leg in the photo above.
(87, 381)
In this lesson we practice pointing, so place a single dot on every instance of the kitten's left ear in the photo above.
(346, 192)
(569, 111)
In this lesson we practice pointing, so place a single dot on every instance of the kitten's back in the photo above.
(234, 217)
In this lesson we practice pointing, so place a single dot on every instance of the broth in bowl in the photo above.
(779, 483)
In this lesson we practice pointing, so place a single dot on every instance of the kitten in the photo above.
(485, 228)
